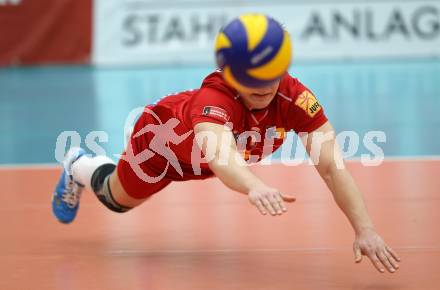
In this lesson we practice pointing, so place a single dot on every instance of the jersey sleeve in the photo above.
(213, 106)
(305, 113)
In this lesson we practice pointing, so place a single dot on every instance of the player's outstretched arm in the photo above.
(327, 157)
(220, 150)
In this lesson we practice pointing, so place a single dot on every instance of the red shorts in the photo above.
(135, 186)
(138, 181)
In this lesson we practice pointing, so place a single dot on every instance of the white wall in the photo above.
(182, 32)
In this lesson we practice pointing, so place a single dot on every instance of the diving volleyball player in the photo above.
(168, 144)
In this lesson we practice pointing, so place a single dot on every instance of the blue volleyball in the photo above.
(253, 51)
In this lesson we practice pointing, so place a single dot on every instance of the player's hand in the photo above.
(370, 244)
(270, 200)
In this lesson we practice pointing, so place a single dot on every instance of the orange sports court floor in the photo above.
(199, 235)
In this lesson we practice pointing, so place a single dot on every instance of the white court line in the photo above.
(261, 250)
(403, 158)
(25, 166)
(387, 159)
(49, 166)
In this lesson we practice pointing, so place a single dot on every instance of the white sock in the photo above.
(84, 167)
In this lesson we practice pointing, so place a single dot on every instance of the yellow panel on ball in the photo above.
(222, 41)
(278, 65)
(256, 28)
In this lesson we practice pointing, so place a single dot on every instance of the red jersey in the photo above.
(293, 108)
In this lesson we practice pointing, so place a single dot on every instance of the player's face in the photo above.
(261, 97)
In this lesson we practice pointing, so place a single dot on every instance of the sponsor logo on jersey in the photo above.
(216, 113)
(308, 102)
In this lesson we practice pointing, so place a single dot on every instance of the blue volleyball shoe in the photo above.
(65, 200)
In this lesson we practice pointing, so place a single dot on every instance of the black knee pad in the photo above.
(100, 175)
(101, 187)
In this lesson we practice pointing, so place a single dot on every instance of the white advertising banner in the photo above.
(183, 32)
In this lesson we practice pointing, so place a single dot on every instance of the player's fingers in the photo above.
(391, 259)
(384, 260)
(393, 253)
(287, 198)
(373, 258)
(280, 202)
(260, 207)
(274, 202)
(357, 253)
(268, 205)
